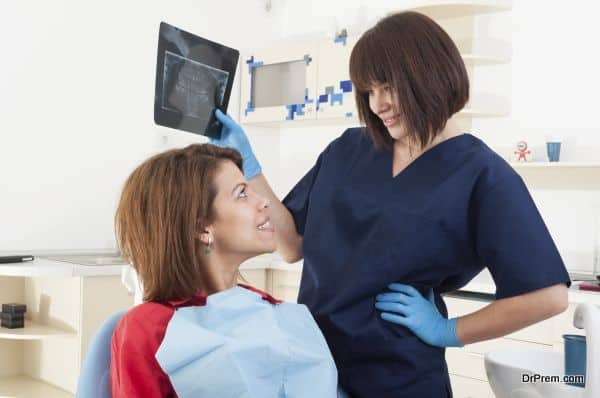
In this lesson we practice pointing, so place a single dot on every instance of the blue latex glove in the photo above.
(407, 307)
(233, 136)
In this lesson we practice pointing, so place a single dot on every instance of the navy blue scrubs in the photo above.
(454, 210)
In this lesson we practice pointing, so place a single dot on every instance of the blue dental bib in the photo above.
(240, 345)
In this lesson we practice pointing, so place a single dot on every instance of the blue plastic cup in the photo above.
(575, 357)
(553, 149)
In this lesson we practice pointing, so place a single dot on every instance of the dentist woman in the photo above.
(408, 207)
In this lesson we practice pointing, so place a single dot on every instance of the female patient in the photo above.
(185, 221)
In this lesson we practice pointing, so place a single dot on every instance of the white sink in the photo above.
(505, 369)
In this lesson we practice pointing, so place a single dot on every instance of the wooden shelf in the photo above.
(560, 175)
(441, 9)
(481, 59)
(488, 52)
(555, 165)
(34, 331)
(477, 111)
(27, 387)
(484, 104)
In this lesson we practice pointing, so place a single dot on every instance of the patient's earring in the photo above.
(207, 249)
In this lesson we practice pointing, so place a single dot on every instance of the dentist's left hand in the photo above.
(233, 136)
(407, 307)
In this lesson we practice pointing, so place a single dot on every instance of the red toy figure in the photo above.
(522, 151)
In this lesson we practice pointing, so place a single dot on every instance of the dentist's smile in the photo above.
(389, 121)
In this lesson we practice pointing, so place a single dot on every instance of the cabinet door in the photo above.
(465, 387)
(279, 85)
(335, 94)
(286, 285)
(255, 277)
(541, 332)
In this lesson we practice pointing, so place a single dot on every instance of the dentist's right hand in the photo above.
(233, 136)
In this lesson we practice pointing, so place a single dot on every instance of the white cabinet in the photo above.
(285, 285)
(466, 364)
(64, 311)
(466, 387)
(254, 277)
(443, 9)
(458, 18)
(274, 276)
(273, 90)
(298, 83)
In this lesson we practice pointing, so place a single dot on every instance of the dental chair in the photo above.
(94, 378)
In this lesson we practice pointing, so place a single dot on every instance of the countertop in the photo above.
(43, 267)
(482, 283)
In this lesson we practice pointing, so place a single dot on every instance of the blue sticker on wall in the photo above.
(340, 40)
(251, 65)
(346, 86)
(339, 98)
(333, 97)
(298, 109)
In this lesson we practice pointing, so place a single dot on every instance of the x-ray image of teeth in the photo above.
(190, 87)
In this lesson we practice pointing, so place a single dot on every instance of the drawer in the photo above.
(287, 294)
(469, 360)
(542, 332)
(539, 333)
(285, 285)
(254, 277)
(458, 306)
(286, 278)
(502, 343)
(465, 387)
(464, 363)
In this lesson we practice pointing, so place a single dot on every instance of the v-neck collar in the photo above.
(428, 153)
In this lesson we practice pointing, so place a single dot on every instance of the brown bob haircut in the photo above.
(417, 58)
(165, 203)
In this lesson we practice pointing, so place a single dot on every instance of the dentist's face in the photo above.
(241, 226)
(384, 104)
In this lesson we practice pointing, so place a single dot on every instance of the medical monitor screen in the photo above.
(194, 77)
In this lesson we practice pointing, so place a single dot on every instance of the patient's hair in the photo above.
(416, 57)
(165, 204)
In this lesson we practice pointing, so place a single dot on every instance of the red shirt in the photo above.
(134, 370)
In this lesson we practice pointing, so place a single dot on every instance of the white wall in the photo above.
(76, 107)
(553, 85)
(77, 87)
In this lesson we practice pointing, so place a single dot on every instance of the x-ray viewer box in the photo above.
(194, 77)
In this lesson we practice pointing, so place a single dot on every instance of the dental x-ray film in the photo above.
(194, 77)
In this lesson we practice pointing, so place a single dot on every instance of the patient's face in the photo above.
(241, 226)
